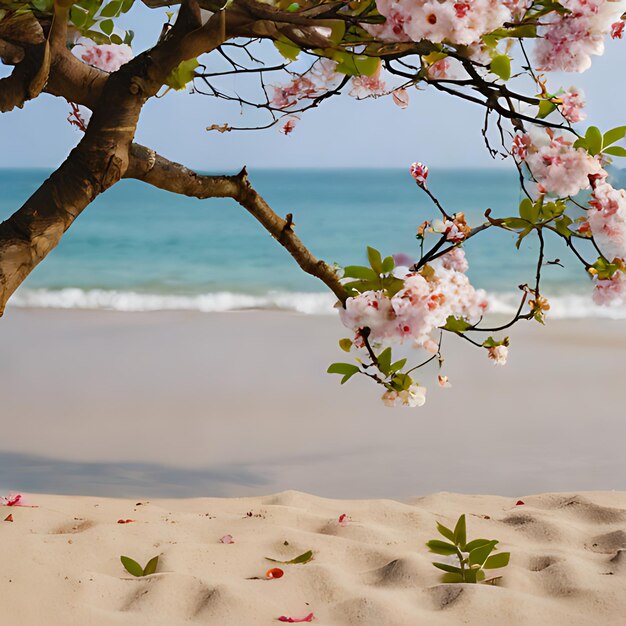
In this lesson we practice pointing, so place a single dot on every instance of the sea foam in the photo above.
(564, 306)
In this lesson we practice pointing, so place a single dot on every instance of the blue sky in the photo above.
(437, 129)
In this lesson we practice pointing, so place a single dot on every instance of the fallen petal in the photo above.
(125, 521)
(519, 502)
(296, 620)
(343, 519)
(9, 518)
(227, 539)
(274, 572)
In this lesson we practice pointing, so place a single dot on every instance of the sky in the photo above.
(343, 133)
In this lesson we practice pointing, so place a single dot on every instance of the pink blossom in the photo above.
(227, 539)
(366, 86)
(498, 354)
(607, 219)
(573, 103)
(443, 381)
(13, 499)
(419, 171)
(438, 70)
(107, 57)
(617, 30)
(289, 124)
(343, 520)
(610, 290)
(455, 21)
(569, 40)
(558, 167)
(519, 147)
(400, 98)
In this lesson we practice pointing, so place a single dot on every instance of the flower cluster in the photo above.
(453, 21)
(568, 40)
(607, 219)
(107, 57)
(559, 168)
(424, 303)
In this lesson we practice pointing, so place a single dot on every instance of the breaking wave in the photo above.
(564, 306)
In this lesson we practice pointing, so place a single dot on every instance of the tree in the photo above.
(478, 50)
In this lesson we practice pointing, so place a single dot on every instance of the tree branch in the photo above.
(149, 167)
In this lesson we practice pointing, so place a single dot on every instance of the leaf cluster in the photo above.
(474, 556)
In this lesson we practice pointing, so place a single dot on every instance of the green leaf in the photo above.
(151, 566)
(501, 66)
(528, 211)
(479, 555)
(448, 568)
(460, 532)
(384, 361)
(613, 135)
(355, 64)
(593, 137)
(388, 264)
(441, 547)
(376, 261)
(305, 557)
(44, 6)
(497, 560)
(182, 75)
(476, 543)
(337, 31)
(78, 16)
(456, 324)
(106, 26)
(131, 566)
(347, 370)
(398, 365)
(562, 226)
(514, 222)
(287, 48)
(358, 271)
(545, 108)
(452, 578)
(615, 151)
(112, 9)
(445, 531)
(345, 344)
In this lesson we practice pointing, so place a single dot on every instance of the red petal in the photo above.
(296, 620)
(8, 518)
(519, 502)
(274, 572)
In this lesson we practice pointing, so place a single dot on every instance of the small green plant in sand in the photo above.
(474, 556)
(133, 568)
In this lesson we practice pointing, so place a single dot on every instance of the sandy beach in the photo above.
(180, 405)
(567, 564)
(190, 404)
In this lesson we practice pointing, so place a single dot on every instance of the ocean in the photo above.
(137, 248)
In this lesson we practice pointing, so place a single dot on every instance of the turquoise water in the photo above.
(137, 247)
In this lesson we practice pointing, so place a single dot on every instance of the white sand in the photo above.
(181, 404)
(60, 562)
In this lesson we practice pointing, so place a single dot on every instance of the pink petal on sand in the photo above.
(296, 620)
(343, 519)
(125, 521)
(227, 539)
(15, 499)
(519, 502)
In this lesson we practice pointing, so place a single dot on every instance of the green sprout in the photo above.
(133, 568)
(474, 556)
